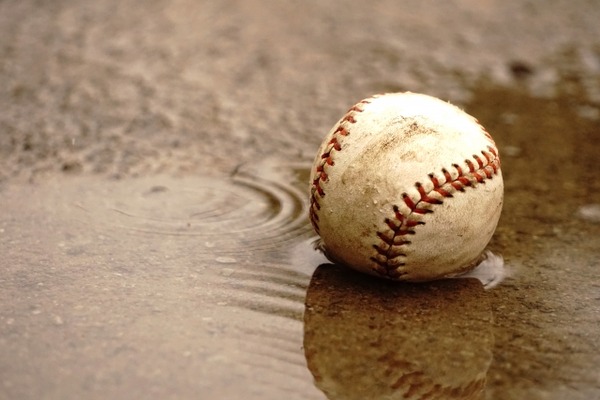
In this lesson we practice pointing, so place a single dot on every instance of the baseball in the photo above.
(406, 187)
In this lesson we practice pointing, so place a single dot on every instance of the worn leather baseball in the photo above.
(406, 187)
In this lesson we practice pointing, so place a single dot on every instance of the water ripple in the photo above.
(256, 208)
(237, 246)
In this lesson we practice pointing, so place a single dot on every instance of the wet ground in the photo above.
(153, 189)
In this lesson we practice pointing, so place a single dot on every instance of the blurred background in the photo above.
(154, 161)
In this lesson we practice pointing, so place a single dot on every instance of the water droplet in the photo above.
(226, 260)
(512, 151)
(227, 271)
(589, 212)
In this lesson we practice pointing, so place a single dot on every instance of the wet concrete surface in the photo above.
(153, 188)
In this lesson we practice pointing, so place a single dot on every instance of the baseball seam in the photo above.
(321, 170)
(390, 253)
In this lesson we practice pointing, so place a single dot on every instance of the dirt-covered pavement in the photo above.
(154, 165)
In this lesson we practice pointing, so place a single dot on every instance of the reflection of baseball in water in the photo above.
(406, 187)
(365, 339)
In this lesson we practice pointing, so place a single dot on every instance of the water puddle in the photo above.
(197, 287)
(208, 279)
(192, 273)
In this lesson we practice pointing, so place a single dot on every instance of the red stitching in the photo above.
(334, 145)
(390, 252)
